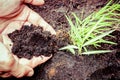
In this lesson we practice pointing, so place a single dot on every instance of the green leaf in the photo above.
(97, 52)
(97, 38)
(70, 48)
(93, 28)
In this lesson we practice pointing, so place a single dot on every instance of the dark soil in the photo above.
(33, 41)
(65, 66)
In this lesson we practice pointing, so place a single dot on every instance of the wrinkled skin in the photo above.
(14, 14)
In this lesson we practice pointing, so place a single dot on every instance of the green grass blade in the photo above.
(70, 48)
(97, 52)
(93, 28)
(97, 38)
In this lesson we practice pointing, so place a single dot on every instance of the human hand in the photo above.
(11, 65)
(15, 15)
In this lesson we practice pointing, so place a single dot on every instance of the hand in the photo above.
(11, 65)
(15, 15)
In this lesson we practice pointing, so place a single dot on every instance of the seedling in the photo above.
(92, 30)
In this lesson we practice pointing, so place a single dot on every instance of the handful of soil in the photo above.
(33, 41)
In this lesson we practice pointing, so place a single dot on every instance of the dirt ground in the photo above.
(65, 66)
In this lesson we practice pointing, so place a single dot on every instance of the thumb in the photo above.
(34, 2)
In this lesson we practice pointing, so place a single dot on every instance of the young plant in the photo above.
(92, 30)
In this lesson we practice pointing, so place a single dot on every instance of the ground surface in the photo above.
(64, 66)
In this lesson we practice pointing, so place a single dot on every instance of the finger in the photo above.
(34, 2)
(5, 75)
(38, 20)
(35, 61)
(30, 73)
(21, 69)
(26, 71)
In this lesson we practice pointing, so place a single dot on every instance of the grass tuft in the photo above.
(92, 30)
